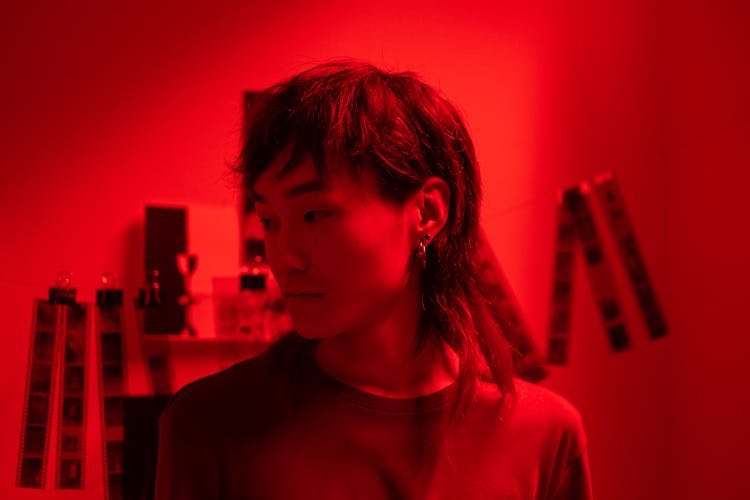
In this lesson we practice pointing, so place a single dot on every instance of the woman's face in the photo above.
(342, 255)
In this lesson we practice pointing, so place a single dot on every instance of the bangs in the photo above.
(353, 113)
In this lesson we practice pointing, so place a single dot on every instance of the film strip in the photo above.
(40, 385)
(111, 351)
(562, 288)
(610, 198)
(71, 436)
(600, 274)
(527, 361)
(576, 202)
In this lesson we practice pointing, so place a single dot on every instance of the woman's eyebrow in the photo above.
(315, 186)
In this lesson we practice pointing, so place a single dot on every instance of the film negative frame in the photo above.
(112, 375)
(41, 382)
(73, 399)
(574, 210)
(601, 277)
(562, 288)
(611, 200)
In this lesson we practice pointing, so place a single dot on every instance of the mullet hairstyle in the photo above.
(402, 131)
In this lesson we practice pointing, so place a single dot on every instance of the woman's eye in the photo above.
(314, 215)
(310, 217)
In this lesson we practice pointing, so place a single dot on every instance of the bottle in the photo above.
(253, 306)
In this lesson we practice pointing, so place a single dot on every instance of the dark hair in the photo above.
(403, 131)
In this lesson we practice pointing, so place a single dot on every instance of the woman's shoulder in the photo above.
(536, 400)
(537, 426)
(538, 410)
(538, 435)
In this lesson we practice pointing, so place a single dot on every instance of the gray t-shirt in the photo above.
(278, 427)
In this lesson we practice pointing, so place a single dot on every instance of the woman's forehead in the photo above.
(303, 177)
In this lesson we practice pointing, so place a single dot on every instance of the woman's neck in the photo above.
(383, 361)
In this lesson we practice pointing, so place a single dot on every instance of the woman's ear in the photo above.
(433, 200)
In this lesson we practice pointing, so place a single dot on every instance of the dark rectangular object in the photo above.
(141, 445)
(166, 236)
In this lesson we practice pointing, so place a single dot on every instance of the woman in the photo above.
(398, 382)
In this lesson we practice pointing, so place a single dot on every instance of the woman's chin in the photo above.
(313, 332)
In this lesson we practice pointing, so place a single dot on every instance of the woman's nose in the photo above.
(287, 254)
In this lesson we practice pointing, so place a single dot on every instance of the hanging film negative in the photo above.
(112, 384)
(576, 201)
(527, 360)
(40, 385)
(562, 288)
(72, 402)
(613, 204)
(598, 269)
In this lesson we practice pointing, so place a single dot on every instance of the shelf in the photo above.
(182, 339)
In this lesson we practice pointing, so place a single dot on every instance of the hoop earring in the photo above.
(422, 250)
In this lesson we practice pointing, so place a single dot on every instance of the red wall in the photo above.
(108, 108)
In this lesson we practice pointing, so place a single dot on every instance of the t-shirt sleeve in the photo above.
(573, 477)
(187, 467)
(575, 480)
